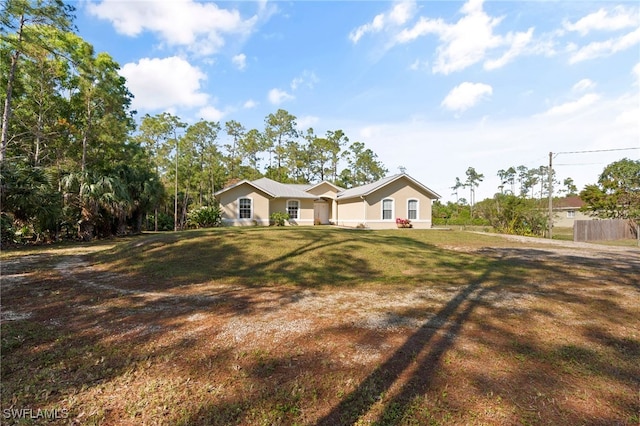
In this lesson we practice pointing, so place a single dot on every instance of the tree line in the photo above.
(75, 163)
(520, 204)
(194, 161)
(520, 180)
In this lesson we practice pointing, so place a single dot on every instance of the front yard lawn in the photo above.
(321, 326)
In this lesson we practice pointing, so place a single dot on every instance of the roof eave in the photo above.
(328, 183)
(374, 189)
(259, 188)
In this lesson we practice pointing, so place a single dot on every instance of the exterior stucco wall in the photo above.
(400, 191)
(562, 220)
(229, 206)
(323, 190)
(368, 212)
(350, 213)
(305, 212)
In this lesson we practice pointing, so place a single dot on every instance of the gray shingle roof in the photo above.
(359, 191)
(283, 190)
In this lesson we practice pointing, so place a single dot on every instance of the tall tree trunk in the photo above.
(137, 221)
(86, 227)
(36, 153)
(6, 115)
(183, 216)
(85, 138)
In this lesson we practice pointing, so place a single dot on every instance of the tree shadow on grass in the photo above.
(479, 283)
(304, 259)
(416, 362)
(425, 348)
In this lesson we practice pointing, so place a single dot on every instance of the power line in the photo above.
(578, 164)
(553, 155)
(595, 150)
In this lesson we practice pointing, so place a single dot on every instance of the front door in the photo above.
(321, 213)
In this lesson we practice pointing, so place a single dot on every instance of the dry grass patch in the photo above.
(322, 326)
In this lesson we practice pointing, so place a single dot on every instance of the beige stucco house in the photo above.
(567, 210)
(376, 205)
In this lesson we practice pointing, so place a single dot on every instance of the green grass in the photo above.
(564, 234)
(302, 257)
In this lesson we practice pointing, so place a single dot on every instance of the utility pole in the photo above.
(550, 184)
(175, 194)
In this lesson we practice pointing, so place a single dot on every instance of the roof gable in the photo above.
(325, 189)
(364, 190)
(324, 182)
(243, 182)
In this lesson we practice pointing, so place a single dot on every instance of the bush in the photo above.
(7, 232)
(403, 223)
(165, 222)
(510, 214)
(279, 218)
(205, 217)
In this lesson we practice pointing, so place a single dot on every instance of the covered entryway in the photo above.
(320, 212)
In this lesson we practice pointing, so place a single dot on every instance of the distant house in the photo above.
(567, 210)
(376, 205)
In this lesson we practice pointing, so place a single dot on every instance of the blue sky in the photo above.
(432, 86)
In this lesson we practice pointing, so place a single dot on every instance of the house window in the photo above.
(293, 209)
(412, 209)
(571, 214)
(245, 207)
(387, 209)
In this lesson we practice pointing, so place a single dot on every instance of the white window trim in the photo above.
(238, 212)
(393, 209)
(417, 208)
(571, 214)
(299, 204)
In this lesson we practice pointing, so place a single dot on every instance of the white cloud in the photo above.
(277, 96)
(599, 49)
(250, 104)
(211, 113)
(400, 13)
(240, 61)
(572, 107)
(418, 65)
(371, 131)
(603, 20)
(629, 117)
(307, 121)
(164, 83)
(468, 41)
(201, 27)
(517, 43)
(499, 143)
(307, 79)
(466, 95)
(636, 73)
(583, 85)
